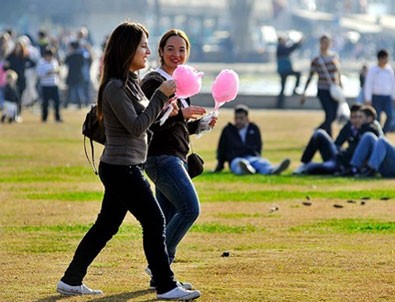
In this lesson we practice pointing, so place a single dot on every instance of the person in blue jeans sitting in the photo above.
(335, 158)
(166, 164)
(374, 154)
(331, 150)
(241, 144)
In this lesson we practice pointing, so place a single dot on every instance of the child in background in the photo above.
(48, 73)
(11, 97)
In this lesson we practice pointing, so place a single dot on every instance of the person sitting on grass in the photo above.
(335, 158)
(11, 97)
(373, 155)
(240, 145)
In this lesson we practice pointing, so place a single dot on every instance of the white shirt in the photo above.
(46, 72)
(243, 133)
(169, 77)
(379, 81)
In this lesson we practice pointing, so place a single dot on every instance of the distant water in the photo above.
(270, 85)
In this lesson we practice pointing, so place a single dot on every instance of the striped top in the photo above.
(47, 72)
(331, 62)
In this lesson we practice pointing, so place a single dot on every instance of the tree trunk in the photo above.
(240, 16)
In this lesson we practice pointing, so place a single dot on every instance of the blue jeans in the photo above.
(383, 158)
(261, 165)
(364, 150)
(176, 195)
(329, 105)
(383, 103)
(76, 95)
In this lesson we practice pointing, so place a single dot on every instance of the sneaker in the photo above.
(302, 169)
(277, 170)
(148, 271)
(246, 168)
(179, 294)
(185, 285)
(65, 289)
(367, 172)
(152, 283)
(349, 172)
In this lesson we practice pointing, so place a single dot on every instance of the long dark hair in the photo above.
(118, 55)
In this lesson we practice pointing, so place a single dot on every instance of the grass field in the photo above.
(280, 249)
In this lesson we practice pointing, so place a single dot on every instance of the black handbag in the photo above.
(195, 165)
(93, 129)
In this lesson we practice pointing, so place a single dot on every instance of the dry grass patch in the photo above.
(279, 248)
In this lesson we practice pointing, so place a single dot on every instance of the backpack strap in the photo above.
(91, 162)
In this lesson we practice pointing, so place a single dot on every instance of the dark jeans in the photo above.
(50, 93)
(322, 142)
(330, 108)
(284, 76)
(383, 103)
(126, 189)
(176, 195)
(76, 95)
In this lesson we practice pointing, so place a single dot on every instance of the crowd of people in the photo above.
(31, 72)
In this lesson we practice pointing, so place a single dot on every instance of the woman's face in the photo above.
(140, 57)
(174, 53)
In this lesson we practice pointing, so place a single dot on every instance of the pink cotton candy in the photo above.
(225, 87)
(188, 81)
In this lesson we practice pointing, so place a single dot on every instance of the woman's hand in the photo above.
(168, 87)
(193, 111)
(213, 121)
(173, 103)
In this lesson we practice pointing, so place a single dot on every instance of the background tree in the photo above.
(240, 17)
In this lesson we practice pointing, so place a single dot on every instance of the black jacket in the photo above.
(172, 138)
(11, 94)
(231, 146)
(346, 134)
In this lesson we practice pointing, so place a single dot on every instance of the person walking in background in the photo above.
(240, 145)
(17, 60)
(75, 79)
(87, 53)
(380, 88)
(42, 41)
(326, 62)
(284, 66)
(167, 154)
(126, 114)
(48, 73)
(362, 77)
(30, 94)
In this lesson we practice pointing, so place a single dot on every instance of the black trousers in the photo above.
(126, 189)
(284, 76)
(329, 105)
(50, 93)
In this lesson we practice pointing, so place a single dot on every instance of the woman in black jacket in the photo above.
(166, 164)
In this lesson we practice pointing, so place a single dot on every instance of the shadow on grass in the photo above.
(122, 297)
